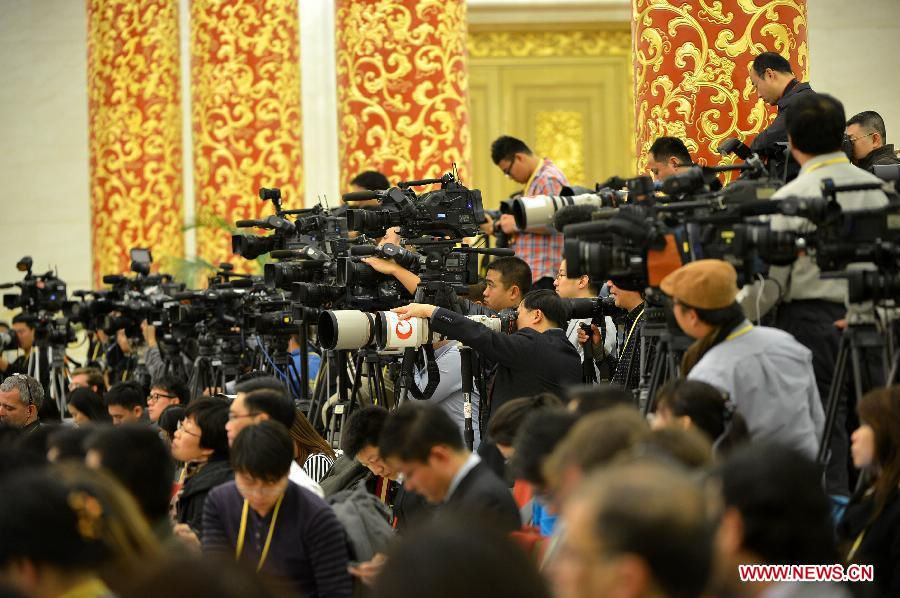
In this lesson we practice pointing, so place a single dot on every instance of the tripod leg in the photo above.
(834, 395)
(659, 362)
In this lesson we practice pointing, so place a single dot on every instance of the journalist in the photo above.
(165, 391)
(20, 402)
(774, 81)
(811, 308)
(767, 373)
(668, 156)
(126, 403)
(868, 139)
(540, 177)
(536, 358)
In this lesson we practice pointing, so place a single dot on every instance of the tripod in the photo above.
(669, 347)
(857, 340)
(57, 385)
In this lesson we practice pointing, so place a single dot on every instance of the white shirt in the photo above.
(302, 479)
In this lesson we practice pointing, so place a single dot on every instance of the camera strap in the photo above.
(434, 376)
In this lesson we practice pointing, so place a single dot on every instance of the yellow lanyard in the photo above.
(630, 332)
(531, 178)
(243, 532)
(740, 332)
(828, 162)
(856, 545)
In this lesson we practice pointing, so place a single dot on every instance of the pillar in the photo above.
(246, 120)
(402, 84)
(692, 62)
(134, 110)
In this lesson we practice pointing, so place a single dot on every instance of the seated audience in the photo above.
(698, 405)
(270, 523)
(166, 391)
(311, 451)
(67, 444)
(126, 403)
(91, 378)
(168, 422)
(87, 407)
(21, 398)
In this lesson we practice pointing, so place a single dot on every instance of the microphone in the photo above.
(360, 195)
(251, 224)
(572, 214)
(114, 279)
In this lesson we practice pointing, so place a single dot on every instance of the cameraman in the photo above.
(810, 308)
(536, 358)
(773, 79)
(156, 364)
(23, 326)
(668, 156)
(541, 251)
(867, 137)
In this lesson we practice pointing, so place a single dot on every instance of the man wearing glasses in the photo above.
(541, 251)
(866, 135)
(166, 391)
(20, 400)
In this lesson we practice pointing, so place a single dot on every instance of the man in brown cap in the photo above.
(765, 371)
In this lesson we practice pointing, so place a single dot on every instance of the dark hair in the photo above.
(211, 415)
(27, 319)
(778, 492)
(69, 443)
(708, 408)
(509, 416)
(169, 419)
(276, 404)
(413, 429)
(816, 123)
(259, 381)
(870, 119)
(39, 523)
(771, 60)
(657, 514)
(723, 321)
(597, 397)
(126, 394)
(880, 409)
(137, 457)
(94, 378)
(453, 558)
(90, 403)
(670, 147)
(173, 385)
(264, 451)
(505, 147)
(363, 429)
(683, 447)
(550, 304)
(540, 433)
(371, 180)
(513, 271)
(209, 578)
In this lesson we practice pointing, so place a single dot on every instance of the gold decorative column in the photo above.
(692, 61)
(245, 104)
(402, 83)
(134, 111)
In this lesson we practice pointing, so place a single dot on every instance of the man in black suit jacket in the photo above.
(536, 358)
(422, 442)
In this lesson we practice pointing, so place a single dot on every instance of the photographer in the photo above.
(668, 156)
(773, 79)
(536, 358)
(867, 137)
(541, 251)
(810, 308)
(153, 358)
(23, 326)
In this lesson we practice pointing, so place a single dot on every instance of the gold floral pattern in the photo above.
(536, 44)
(560, 133)
(692, 62)
(402, 88)
(246, 121)
(134, 110)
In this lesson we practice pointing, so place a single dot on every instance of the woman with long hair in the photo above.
(87, 407)
(311, 451)
(765, 371)
(871, 523)
(693, 404)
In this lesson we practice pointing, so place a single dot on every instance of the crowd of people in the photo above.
(572, 488)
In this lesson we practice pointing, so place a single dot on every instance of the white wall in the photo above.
(44, 202)
(854, 48)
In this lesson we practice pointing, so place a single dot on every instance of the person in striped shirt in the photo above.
(311, 451)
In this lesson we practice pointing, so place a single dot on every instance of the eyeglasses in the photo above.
(181, 428)
(234, 416)
(24, 379)
(512, 161)
(155, 396)
(561, 274)
(852, 139)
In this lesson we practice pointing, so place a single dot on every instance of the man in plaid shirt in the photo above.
(541, 251)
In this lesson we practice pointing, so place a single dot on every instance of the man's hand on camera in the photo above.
(488, 227)
(149, 332)
(392, 235)
(508, 224)
(382, 265)
(415, 310)
(122, 341)
(596, 337)
(368, 571)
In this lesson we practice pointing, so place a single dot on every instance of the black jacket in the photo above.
(881, 543)
(878, 157)
(777, 131)
(482, 494)
(189, 508)
(528, 362)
